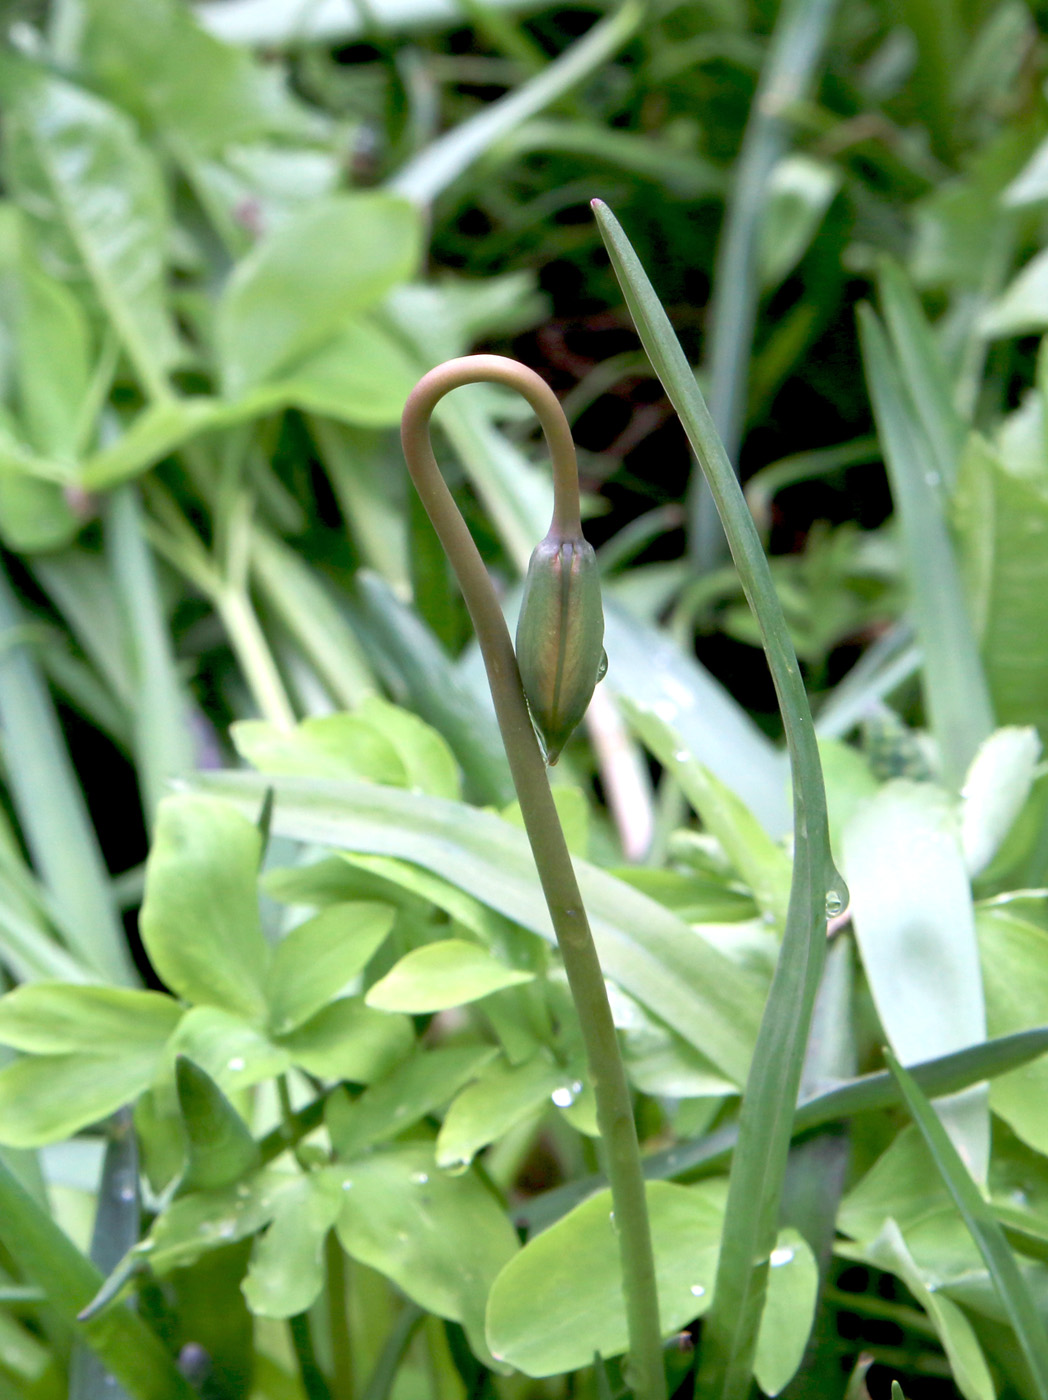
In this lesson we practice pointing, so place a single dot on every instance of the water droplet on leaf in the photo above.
(780, 1256)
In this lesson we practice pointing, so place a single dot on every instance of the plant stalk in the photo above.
(556, 874)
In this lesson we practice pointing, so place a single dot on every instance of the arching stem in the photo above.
(527, 765)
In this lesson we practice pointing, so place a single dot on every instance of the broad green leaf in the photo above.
(652, 954)
(44, 1099)
(915, 924)
(441, 1238)
(207, 1220)
(348, 1040)
(503, 1096)
(428, 761)
(95, 200)
(440, 975)
(1000, 513)
(763, 865)
(333, 746)
(53, 364)
(44, 1254)
(984, 1229)
(219, 1146)
(967, 1363)
(233, 1052)
(419, 1086)
(297, 287)
(1014, 955)
(51, 1018)
(995, 791)
(200, 921)
(317, 960)
(573, 1267)
(362, 376)
(286, 1273)
(154, 58)
(789, 1309)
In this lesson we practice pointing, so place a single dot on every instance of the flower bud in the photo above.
(560, 637)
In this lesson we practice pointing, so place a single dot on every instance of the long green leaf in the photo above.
(642, 946)
(983, 1227)
(793, 54)
(870, 1092)
(955, 689)
(51, 807)
(44, 1253)
(759, 1164)
(162, 740)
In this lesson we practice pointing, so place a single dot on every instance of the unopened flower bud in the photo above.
(560, 636)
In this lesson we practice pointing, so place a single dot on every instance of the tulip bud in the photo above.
(560, 636)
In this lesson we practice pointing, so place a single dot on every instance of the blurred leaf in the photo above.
(653, 955)
(234, 1053)
(315, 963)
(428, 761)
(1001, 515)
(501, 1097)
(53, 365)
(154, 58)
(799, 193)
(348, 746)
(49, 1097)
(912, 913)
(441, 1238)
(953, 681)
(348, 1040)
(219, 1146)
(574, 1268)
(1014, 955)
(418, 1087)
(1022, 308)
(297, 287)
(440, 975)
(200, 922)
(789, 1308)
(48, 1018)
(94, 198)
(286, 1273)
(995, 792)
(43, 1253)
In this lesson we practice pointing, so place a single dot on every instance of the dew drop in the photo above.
(696, 1290)
(420, 1178)
(127, 1193)
(780, 1256)
(576, 1086)
(227, 1229)
(602, 666)
(683, 755)
(236, 1063)
(347, 1186)
(834, 904)
(563, 1097)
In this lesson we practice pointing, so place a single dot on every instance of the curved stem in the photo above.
(614, 1108)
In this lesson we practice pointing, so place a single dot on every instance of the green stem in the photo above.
(404, 1328)
(614, 1107)
(338, 1330)
(256, 660)
(314, 1382)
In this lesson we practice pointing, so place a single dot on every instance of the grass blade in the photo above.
(983, 1227)
(765, 1126)
(793, 53)
(51, 807)
(955, 690)
(435, 168)
(45, 1254)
